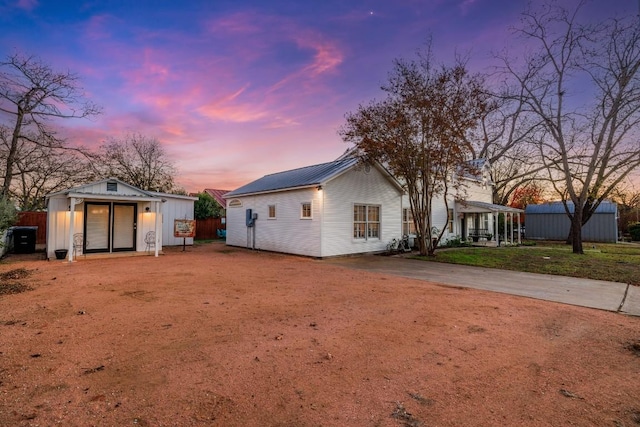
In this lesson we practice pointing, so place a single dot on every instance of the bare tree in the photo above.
(40, 170)
(504, 139)
(420, 133)
(138, 160)
(582, 83)
(31, 95)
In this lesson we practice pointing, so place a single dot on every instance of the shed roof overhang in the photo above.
(113, 197)
(474, 206)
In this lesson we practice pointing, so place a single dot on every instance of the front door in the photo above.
(124, 227)
(110, 227)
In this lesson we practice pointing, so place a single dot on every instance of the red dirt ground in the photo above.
(218, 336)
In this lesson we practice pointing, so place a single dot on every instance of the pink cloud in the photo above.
(227, 109)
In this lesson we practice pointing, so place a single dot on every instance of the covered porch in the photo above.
(104, 218)
(480, 222)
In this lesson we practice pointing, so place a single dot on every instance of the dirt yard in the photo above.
(216, 336)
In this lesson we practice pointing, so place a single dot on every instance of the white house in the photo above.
(339, 208)
(324, 210)
(110, 216)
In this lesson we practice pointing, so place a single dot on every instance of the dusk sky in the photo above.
(238, 89)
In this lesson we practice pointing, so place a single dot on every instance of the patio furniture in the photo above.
(150, 240)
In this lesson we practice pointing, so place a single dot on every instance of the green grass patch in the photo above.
(613, 262)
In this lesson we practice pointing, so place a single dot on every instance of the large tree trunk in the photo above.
(575, 235)
(11, 157)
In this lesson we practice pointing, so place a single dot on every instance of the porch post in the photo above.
(157, 228)
(495, 224)
(519, 230)
(72, 214)
(506, 236)
(511, 223)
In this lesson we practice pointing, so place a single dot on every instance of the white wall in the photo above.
(287, 232)
(58, 223)
(330, 231)
(175, 208)
(359, 187)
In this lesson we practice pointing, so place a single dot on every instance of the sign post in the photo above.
(184, 228)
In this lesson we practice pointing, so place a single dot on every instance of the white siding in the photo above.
(288, 232)
(358, 187)
(58, 219)
(330, 231)
(173, 209)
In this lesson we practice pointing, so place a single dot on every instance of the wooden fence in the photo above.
(37, 219)
(206, 229)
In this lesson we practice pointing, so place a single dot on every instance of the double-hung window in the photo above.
(305, 211)
(272, 212)
(366, 222)
(408, 226)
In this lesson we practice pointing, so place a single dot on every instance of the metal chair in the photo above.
(78, 244)
(150, 240)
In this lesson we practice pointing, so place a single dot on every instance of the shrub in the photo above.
(206, 207)
(8, 214)
(455, 242)
(634, 230)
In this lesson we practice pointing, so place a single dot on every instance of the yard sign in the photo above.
(184, 228)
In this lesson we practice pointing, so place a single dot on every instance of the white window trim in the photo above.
(275, 211)
(310, 210)
(366, 222)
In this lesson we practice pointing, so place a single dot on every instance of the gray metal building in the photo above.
(549, 221)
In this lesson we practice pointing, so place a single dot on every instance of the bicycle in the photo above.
(392, 246)
(399, 245)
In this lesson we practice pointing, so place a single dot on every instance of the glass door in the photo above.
(96, 226)
(124, 227)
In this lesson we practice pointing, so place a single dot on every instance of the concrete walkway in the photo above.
(600, 294)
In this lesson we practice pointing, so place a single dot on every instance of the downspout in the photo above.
(72, 214)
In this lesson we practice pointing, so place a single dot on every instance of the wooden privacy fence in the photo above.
(37, 219)
(207, 228)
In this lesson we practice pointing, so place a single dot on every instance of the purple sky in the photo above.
(238, 89)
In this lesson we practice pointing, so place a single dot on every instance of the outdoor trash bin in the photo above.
(24, 239)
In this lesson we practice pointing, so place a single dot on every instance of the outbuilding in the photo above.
(336, 208)
(550, 221)
(110, 216)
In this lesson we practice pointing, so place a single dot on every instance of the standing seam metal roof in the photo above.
(295, 178)
(558, 208)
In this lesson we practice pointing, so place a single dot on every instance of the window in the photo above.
(450, 221)
(272, 212)
(408, 226)
(305, 212)
(366, 222)
(112, 186)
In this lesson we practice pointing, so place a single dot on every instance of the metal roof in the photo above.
(558, 208)
(217, 195)
(297, 178)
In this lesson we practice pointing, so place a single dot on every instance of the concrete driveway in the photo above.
(600, 294)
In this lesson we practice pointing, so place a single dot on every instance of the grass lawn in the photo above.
(614, 262)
